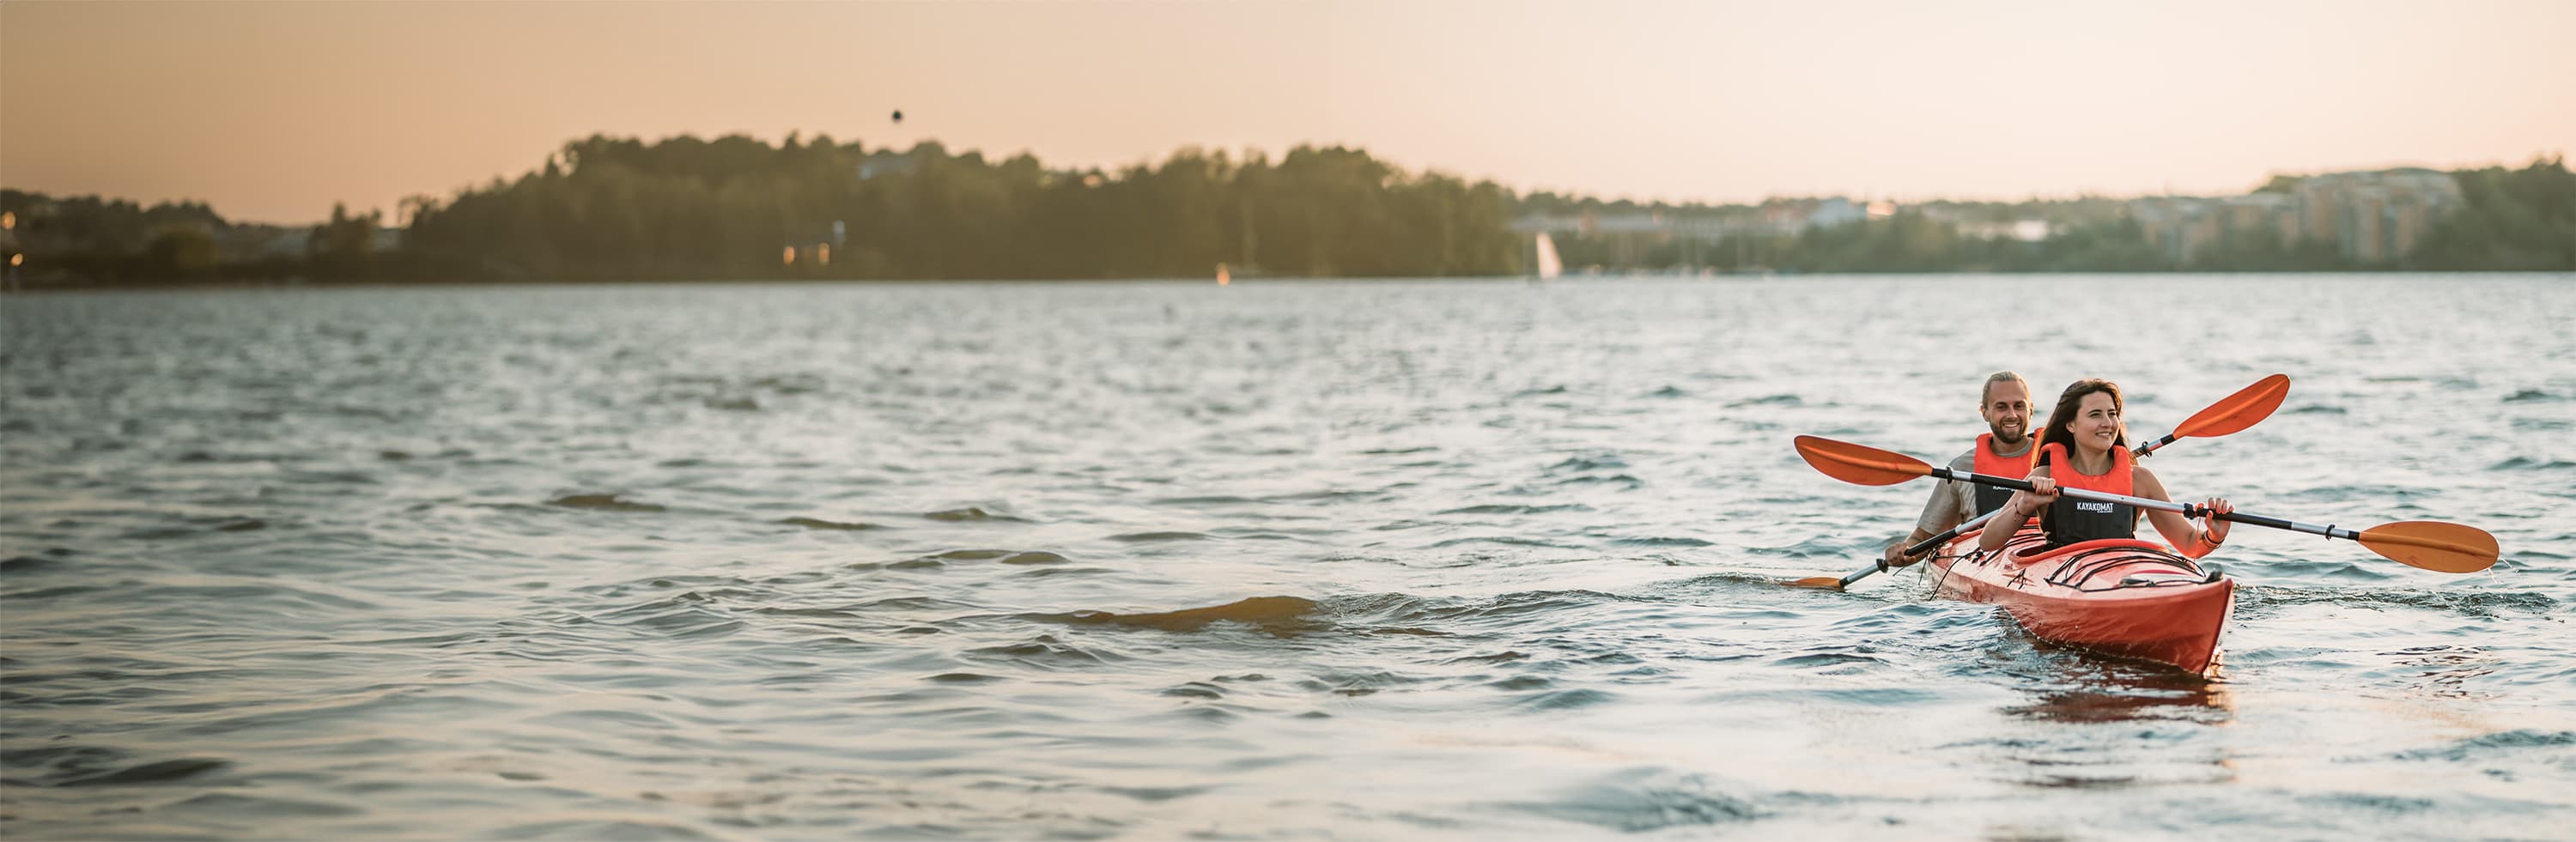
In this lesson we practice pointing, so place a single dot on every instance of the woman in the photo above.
(2086, 447)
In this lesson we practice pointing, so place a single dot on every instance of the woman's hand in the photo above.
(2043, 491)
(2211, 524)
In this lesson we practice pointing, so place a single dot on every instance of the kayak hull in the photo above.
(2122, 597)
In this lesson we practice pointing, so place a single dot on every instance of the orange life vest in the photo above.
(1990, 498)
(2070, 520)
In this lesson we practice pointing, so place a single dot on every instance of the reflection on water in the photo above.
(2091, 689)
(2448, 671)
(1278, 615)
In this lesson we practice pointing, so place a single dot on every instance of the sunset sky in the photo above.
(273, 111)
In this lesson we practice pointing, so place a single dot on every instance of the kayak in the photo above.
(2121, 596)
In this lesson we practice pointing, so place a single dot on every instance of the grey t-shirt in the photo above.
(1953, 502)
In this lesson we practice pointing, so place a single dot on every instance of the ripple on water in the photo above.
(84, 765)
(1515, 509)
(1158, 537)
(2476, 604)
(1645, 800)
(974, 514)
(29, 565)
(831, 525)
(1001, 556)
(603, 502)
(2519, 742)
(1047, 652)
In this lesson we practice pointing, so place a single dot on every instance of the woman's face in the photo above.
(2097, 422)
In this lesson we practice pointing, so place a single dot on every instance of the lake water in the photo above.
(1462, 560)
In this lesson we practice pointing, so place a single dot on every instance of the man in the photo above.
(2003, 452)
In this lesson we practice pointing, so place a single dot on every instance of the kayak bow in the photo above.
(2123, 597)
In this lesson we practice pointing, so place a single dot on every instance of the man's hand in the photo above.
(1895, 555)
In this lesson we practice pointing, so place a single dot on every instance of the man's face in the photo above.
(2007, 411)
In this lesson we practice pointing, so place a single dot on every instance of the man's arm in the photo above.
(1939, 514)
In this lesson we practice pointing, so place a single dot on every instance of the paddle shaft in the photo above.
(1920, 547)
(2187, 510)
(1928, 544)
(2150, 447)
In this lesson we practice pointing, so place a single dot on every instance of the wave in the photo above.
(1508, 509)
(162, 771)
(817, 523)
(1662, 542)
(1643, 802)
(1211, 500)
(2485, 746)
(1600, 462)
(1279, 615)
(29, 564)
(603, 502)
(1620, 479)
(1047, 652)
(86, 765)
(1158, 537)
(2479, 604)
(972, 514)
(939, 560)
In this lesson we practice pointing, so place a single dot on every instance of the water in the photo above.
(1466, 560)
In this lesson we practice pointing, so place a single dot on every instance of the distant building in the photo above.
(1837, 211)
(2369, 217)
(2271, 212)
(276, 242)
(2376, 216)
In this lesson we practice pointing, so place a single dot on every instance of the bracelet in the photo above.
(2210, 540)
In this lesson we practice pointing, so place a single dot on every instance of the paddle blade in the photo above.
(1858, 464)
(1831, 583)
(2236, 412)
(2433, 545)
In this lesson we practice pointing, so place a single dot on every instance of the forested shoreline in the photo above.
(738, 208)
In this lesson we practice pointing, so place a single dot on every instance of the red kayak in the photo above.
(2121, 596)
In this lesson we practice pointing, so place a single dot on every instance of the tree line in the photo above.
(684, 209)
(613, 209)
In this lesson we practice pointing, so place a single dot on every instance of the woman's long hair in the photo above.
(2061, 425)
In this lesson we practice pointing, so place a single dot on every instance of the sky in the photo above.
(274, 111)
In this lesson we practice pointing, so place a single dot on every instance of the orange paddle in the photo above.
(2231, 414)
(2432, 545)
